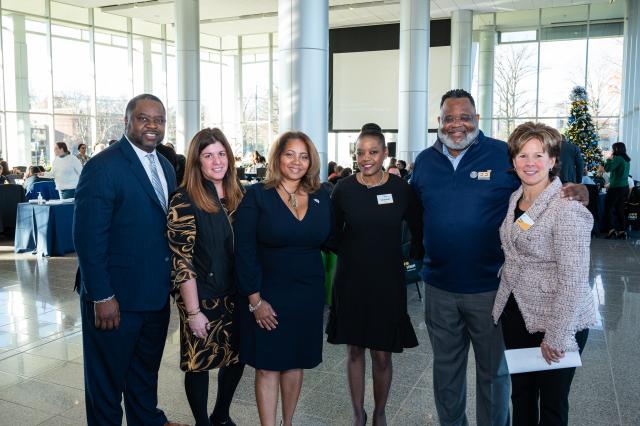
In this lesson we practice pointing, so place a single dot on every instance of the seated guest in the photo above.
(544, 298)
(5, 172)
(82, 154)
(65, 171)
(31, 177)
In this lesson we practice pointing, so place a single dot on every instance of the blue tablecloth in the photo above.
(46, 229)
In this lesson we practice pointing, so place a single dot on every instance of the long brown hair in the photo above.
(310, 182)
(194, 180)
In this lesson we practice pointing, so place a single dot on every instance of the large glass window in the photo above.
(113, 84)
(562, 67)
(514, 92)
(542, 54)
(72, 70)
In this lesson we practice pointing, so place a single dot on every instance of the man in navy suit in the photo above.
(120, 237)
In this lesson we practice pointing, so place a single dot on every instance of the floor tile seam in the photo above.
(29, 408)
(613, 377)
(41, 379)
(33, 345)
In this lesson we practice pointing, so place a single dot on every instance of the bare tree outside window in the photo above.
(514, 95)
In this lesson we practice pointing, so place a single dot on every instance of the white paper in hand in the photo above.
(530, 359)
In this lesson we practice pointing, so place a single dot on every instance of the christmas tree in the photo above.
(580, 130)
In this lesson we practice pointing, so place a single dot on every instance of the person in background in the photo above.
(586, 179)
(4, 172)
(280, 227)
(392, 162)
(98, 148)
(617, 165)
(201, 241)
(409, 171)
(571, 162)
(65, 171)
(331, 168)
(336, 174)
(549, 305)
(82, 154)
(402, 166)
(31, 177)
(369, 308)
(394, 171)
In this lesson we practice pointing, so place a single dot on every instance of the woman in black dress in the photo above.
(280, 227)
(369, 307)
(201, 241)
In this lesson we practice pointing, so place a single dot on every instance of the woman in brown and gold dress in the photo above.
(201, 240)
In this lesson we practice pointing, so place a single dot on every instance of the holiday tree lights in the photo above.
(580, 130)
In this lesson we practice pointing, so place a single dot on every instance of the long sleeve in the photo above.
(94, 204)
(413, 216)
(571, 239)
(181, 233)
(248, 267)
(337, 220)
(579, 165)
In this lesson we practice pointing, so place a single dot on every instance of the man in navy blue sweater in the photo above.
(464, 184)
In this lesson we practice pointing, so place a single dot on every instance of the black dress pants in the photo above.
(614, 209)
(540, 397)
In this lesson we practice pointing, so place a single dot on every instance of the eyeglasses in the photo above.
(158, 121)
(464, 118)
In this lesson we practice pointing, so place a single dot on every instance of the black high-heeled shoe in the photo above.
(611, 234)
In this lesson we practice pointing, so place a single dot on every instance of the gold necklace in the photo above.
(293, 201)
(371, 186)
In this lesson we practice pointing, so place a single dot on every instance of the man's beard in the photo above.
(458, 146)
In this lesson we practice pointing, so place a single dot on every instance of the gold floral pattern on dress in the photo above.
(181, 231)
(218, 349)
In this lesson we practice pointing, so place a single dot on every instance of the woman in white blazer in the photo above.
(544, 297)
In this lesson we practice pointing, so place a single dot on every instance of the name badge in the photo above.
(385, 199)
(486, 175)
(525, 222)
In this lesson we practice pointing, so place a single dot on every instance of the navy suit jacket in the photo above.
(120, 231)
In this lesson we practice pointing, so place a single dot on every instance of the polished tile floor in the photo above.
(41, 378)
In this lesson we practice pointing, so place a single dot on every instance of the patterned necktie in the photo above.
(155, 181)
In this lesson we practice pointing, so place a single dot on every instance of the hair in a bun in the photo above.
(372, 129)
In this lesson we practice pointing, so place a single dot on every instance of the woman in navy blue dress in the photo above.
(280, 226)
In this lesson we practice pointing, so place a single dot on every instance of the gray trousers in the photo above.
(453, 320)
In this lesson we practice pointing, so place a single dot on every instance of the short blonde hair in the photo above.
(310, 182)
(548, 136)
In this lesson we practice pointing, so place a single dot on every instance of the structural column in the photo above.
(17, 94)
(484, 102)
(188, 72)
(303, 46)
(461, 34)
(631, 87)
(414, 78)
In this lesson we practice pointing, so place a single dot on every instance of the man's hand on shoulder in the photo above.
(575, 191)
(107, 314)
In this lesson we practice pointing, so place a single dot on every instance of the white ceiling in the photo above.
(235, 17)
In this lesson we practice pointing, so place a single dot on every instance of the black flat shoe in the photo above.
(622, 235)
(227, 422)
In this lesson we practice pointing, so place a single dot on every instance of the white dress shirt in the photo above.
(142, 155)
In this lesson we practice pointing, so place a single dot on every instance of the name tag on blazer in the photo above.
(525, 222)
(385, 199)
